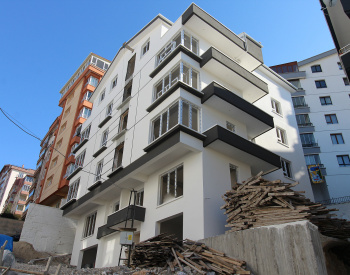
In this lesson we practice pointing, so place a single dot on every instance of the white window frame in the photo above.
(281, 136)
(139, 197)
(176, 196)
(99, 169)
(73, 190)
(109, 109)
(276, 106)
(104, 138)
(102, 95)
(79, 161)
(287, 168)
(116, 157)
(145, 47)
(114, 82)
(85, 133)
(89, 227)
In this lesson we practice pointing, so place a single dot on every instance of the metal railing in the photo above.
(336, 200)
(345, 49)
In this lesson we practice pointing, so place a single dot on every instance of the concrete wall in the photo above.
(292, 248)
(47, 230)
(10, 227)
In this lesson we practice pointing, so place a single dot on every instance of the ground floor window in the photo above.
(171, 185)
(286, 167)
(89, 225)
(233, 175)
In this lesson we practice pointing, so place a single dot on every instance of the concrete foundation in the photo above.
(10, 227)
(47, 230)
(286, 249)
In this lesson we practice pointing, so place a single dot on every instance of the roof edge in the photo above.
(317, 57)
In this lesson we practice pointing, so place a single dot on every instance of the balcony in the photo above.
(76, 149)
(244, 49)
(85, 103)
(301, 109)
(306, 127)
(294, 75)
(75, 139)
(218, 64)
(219, 98)
(232, 145)
(114, 220)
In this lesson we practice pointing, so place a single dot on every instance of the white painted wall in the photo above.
(47, 230)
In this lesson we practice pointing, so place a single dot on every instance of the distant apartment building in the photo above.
(337, 15)
(56, 157)
(18, 195)
(8, 176)
(322, 111)
(183, 113)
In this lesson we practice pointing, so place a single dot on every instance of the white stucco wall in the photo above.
(47, 230)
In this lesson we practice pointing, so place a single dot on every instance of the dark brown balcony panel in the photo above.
(179, 48)
(68, 203)
(104, 121)
(76, 171)
(224, 67)
(104, 231)
(114, 220)
(99, 151)
(81, 144)
(218, 97)
(172, 89)
(230, 144)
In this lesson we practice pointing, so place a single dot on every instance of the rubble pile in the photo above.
(259, 202)
(165, 251)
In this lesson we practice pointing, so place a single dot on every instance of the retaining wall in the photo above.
(10, 227)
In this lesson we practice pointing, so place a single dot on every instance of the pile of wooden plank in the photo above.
(164, 251)
(259, 202)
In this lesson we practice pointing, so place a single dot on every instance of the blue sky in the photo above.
(44, 42)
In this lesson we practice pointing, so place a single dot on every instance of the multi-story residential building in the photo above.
(40, 172)
(64, 134)
(184, 112)
(18, 196)
(8, 175)
(322, 110)
(337, 15)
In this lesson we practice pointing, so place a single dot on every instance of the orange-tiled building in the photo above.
(76, 107)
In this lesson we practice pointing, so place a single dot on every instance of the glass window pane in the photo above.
(159, 89)
(179, 182)
(177, 40)
(194, 46)
(156, 127)
(172, 184)
(194, 119)
(175, 74)
(185, 114)
(194, 79)
(164, 122)
(186, 75)
(187, 41)
(163, 191)
(173, 115)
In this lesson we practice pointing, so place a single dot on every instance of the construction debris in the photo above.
(165, 251)
(259, 202)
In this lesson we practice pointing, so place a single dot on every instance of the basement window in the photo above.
(171, 185)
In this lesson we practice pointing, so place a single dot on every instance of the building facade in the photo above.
(64, 134)
(184, 112)
(322, 109)
(8, 176)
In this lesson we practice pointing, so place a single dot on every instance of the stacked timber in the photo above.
(259, 202)
(164, 251)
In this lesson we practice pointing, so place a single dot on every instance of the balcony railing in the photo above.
(313, 144)
(305, 124)
(344, 50)
(300, 105)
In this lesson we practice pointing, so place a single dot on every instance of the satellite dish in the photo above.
(330, 3)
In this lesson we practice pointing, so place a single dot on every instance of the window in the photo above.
(233, 175)
(127, 91)
(102, 95)
(320, 84)
(89, 225)
(87, 95)
(331, 119)
(118, 156)
(337, 138)
(70, 169)
(54, 162)
(131, 67)
(26, 187)
(99, 63)
(63, 127)
(22, 197)
(325, 100)
(286, 167)
(109, 109)
(308, 140)
(340, 66)
(85, 112)
(346, 81)
(316, 68)
(29, 179)
(299, 101)
(73, 190)
(171, 185)
(78, 130)
(20, 175)
(139, 198)
(104, 138)
(230, 126)
(276, 106)
(20, 207)
(303, 120)
(79, 162)
(85, 134)
(180, 72)
(181, 112)
(66, 113)
(93, 81)
(116, 207)
(145, 48)
(48, 182)
(123, 121)
(343, 160)
(296, 83)
(313, 160)
(114, 82)
(182, 38)
(59, 143)
(70, 97)
(99, 169)
(281, 136)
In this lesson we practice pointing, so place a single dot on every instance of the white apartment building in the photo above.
(184, 111)
(322, 111)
